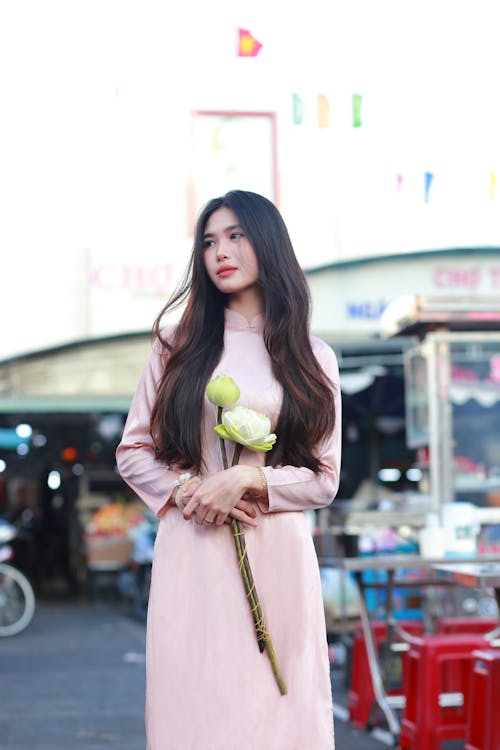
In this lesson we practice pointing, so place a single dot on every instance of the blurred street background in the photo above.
(373, 125)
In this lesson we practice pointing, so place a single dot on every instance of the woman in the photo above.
(246, 316)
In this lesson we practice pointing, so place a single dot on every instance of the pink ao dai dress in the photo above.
(208, 686)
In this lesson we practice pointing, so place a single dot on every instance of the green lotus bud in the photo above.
(248, 428)
(222, 391)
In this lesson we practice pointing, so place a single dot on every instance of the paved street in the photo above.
(75, 681)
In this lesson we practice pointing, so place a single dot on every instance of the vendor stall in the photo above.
(118, 536)
(452, 377)
(452, 401)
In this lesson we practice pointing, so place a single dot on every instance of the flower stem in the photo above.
(246, 573)
(263, 637)
(274, 664)
(237, 453)
(221, 441)
(244, 563)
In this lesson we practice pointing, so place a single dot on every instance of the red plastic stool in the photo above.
(466, 624)
(361, 697)
(427, 719)
(483, 720)
(457, 625)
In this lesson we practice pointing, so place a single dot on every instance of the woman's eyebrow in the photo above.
(230, 228)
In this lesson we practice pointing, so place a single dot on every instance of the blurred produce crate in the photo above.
(108, 551)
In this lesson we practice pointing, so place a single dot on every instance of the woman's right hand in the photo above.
(184, 493)
(245, 507)
(221, 497)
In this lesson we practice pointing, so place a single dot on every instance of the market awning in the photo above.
(88, 376)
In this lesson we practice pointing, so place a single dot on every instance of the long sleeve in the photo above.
(299, 488)
(135, 456)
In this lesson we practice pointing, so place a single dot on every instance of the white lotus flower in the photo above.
(248, 428)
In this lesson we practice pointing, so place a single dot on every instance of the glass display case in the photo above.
(452, 391)
(453, 413)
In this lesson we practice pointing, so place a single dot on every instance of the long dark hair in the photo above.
(307, 412)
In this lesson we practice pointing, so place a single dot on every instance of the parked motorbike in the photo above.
(17, 598)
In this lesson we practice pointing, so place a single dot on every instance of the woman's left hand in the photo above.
(217, 497)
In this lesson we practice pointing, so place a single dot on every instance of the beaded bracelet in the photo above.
(182, 479)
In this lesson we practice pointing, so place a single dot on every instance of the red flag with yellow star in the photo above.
(248, 45)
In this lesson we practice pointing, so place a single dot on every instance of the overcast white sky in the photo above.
(94, 144)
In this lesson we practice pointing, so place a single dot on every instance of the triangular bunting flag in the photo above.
(427, 185)
(323, 111)
(248, 46)
(357, 100)
(297, 109)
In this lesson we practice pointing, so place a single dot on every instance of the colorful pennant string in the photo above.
(323, 109)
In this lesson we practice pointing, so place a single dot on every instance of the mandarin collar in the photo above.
(237, 322)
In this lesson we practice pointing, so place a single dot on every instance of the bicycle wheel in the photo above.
(17, 601)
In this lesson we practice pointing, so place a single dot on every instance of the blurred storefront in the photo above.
(349, 300)
(63, 412)
(73, 399)
(452, 380)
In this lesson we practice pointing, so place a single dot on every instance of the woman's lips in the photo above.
(225, 271)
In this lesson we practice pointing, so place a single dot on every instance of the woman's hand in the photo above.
(245, 505)
(184, 493)
(221, 495)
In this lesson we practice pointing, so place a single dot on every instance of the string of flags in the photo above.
(323, 113)
(428, 179)
(323, 121)
(249, 46)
